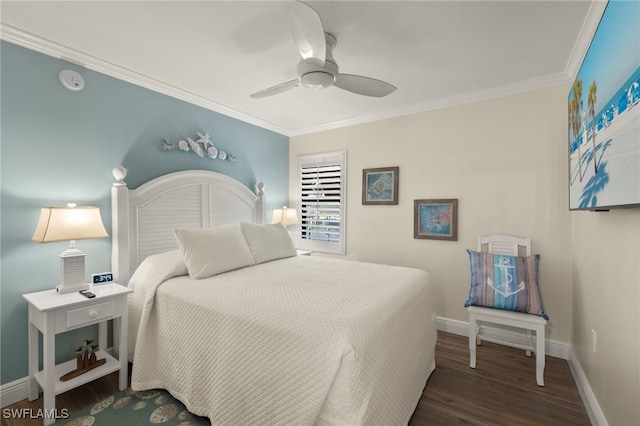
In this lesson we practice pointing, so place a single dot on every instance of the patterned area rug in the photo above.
(136, 408)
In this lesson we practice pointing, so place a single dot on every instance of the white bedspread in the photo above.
(302, 340)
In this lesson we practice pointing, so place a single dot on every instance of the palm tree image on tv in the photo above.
(575, 120)
(591, 105)
(604, 119)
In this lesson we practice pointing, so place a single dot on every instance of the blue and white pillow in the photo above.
(505, 282)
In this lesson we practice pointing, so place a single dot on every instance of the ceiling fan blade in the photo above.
(364, 85)
(276, 89)
(308, 32)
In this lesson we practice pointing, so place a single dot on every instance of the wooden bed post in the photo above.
(119, 227)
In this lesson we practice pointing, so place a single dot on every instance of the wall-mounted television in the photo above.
(604, 115)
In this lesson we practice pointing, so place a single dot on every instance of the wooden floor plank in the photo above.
(501, 390)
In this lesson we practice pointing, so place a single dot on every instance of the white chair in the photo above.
(508, 245)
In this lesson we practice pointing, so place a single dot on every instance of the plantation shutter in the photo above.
(321, 202)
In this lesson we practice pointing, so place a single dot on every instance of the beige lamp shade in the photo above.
(69, 223)
(285, 216)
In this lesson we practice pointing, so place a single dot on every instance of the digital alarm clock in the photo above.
(102, 278)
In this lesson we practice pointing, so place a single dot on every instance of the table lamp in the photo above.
(70, 223)
(285, 216)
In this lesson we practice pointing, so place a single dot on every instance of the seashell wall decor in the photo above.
(208, 148)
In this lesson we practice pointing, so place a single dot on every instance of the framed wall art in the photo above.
(380, 186)
(436, 219)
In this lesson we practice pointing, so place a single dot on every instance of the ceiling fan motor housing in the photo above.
(317, 76)
(313, 74)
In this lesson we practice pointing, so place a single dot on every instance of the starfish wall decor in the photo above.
(208, 148)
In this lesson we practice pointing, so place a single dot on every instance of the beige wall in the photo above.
(606, 298)
(506, 161)
(503, 159)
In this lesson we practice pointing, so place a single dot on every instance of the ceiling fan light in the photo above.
(317, 80)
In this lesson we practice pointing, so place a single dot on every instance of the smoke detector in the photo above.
(71, 80)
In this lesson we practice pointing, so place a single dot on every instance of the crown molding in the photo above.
(588, 30)
(465, 98)
(59, 51)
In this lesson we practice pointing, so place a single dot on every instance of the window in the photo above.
(322, 201)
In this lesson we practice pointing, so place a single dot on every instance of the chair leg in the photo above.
(472, 340)
(540, 355)
(529, 341)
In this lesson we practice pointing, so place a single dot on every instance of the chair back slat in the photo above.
(504, 244)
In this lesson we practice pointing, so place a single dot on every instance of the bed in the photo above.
(285, 339)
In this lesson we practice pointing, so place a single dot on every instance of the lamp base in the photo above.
(64, 289)
(72, 271)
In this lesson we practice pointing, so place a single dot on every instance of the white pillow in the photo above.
(268, 242)
(209, 252)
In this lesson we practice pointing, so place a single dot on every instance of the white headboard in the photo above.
(143, 219)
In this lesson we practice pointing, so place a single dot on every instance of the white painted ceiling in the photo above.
(215, 54)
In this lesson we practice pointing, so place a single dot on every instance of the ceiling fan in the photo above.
(318, 69)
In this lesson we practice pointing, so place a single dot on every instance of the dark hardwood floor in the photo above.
(501, 390)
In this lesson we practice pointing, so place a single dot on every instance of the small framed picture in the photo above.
(380, 186)
(436, 219)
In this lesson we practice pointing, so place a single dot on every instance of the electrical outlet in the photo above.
(593, 340)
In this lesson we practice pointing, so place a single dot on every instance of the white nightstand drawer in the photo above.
(89, 314)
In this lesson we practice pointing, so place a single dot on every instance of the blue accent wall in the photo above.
(59, 146)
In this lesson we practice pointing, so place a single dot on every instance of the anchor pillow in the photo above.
(505, 282)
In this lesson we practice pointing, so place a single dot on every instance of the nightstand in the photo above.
(52, 313)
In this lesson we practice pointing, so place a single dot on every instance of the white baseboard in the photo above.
(553, 348)
(588, 398)
(15, 391)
